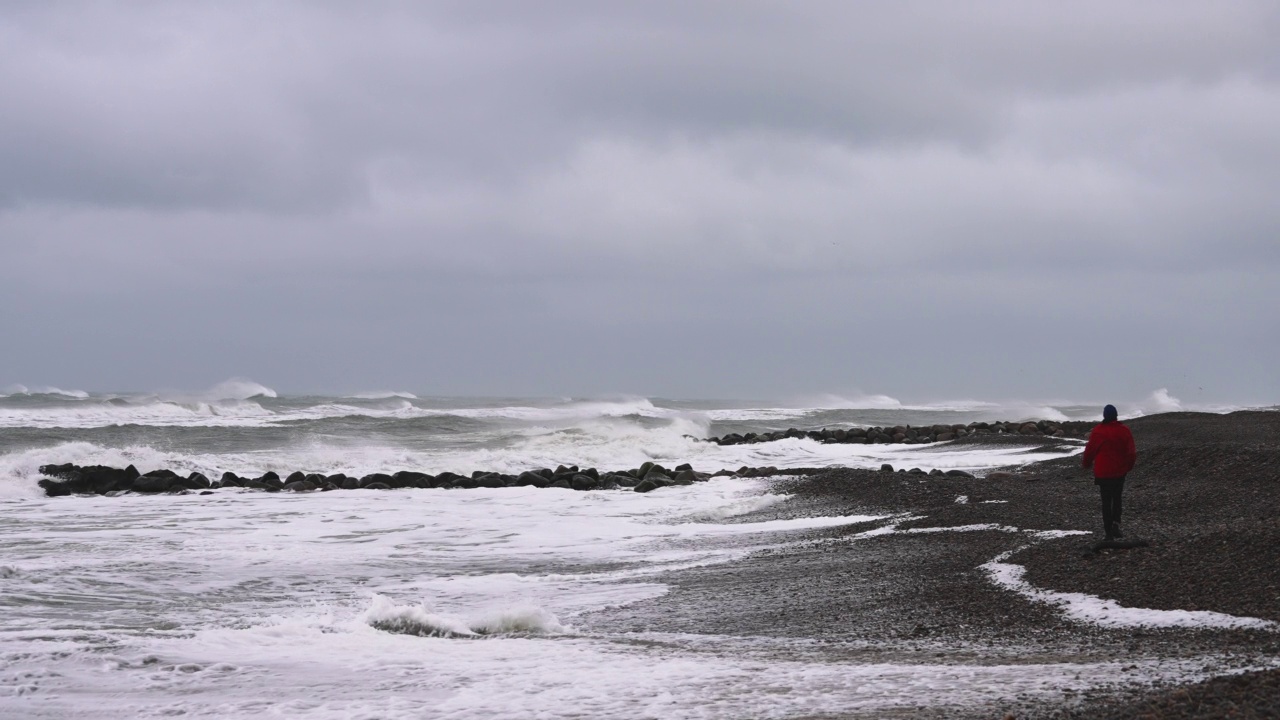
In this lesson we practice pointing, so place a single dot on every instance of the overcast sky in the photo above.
(725, 199)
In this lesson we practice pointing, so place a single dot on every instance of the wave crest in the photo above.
(237, 389)
(384, 614)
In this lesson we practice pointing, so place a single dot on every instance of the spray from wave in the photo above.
(384, 614)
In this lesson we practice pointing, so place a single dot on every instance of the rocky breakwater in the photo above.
(907, 434)
(69, 479)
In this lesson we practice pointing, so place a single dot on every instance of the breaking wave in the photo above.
(384, 614)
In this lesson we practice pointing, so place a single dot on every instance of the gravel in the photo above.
(1205, 494)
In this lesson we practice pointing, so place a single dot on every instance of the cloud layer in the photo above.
(916, 198)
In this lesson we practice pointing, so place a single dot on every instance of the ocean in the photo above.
(435, 603)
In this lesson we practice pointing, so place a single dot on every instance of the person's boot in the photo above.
(1115, 530)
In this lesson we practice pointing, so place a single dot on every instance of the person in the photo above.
(1111, 453)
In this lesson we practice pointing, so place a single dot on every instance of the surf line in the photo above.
(1077, 607)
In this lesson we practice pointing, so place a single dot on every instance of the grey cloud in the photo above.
(512, 194)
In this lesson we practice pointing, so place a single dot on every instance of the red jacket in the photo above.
(1111, 445)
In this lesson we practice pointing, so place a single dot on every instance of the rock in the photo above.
(646, 486)
(886, 468)
(376, 485)
(685, 477)
(489, 480)
(656, 471)
(101, 479)
(529, 478)
(446, 479)
(371, 478)
(206, 492)
(230, 479)
(683, 466)
(561, 483)
(53, 488)
(350, 484)
(57, 470)
(296, 476)
(583, 481)
(1001, 475)
(300, 486)
(261, 484)
(195, 482)
(131, 472)
(959, 474)
(944, 437)
(152, 484)
(623, 479)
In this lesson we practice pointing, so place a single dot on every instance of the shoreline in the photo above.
(1203, 493)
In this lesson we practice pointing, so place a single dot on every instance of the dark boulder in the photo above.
(152, 484)
(101, 480)
(685, 477)
(959, 474)
(657, 478)
(623, 479)
(886, 468)
(57, 470)
(375, 485)
(646, 486)
(295, 476)
(582, 481)
(447, 479)
(350, 484)
(230, 479)
(300, 486)
(53, 488)
(943, 437)
(530, 478)
(561, 483)
(413, 479)
(490, 480)
(371, 478)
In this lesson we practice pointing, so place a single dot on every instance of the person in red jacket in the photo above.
(1111, 453)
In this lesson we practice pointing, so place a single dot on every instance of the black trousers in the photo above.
(1111, 488)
